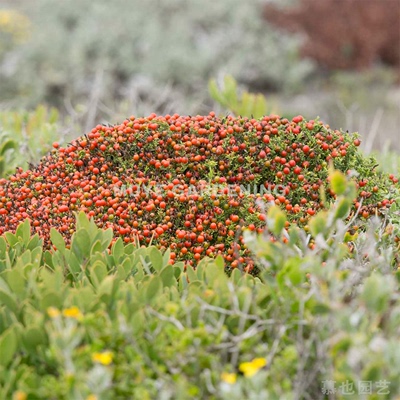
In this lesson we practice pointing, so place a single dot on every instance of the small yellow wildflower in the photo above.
(15, 24)
(5, 18)
(92, 397)
(53, 312)
(19, 395)
(105, 358)
(73, 312)
(228, 377)
(249, 369)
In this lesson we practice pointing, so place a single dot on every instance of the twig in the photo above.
(162, 317)
(94, 98)
(374, 130)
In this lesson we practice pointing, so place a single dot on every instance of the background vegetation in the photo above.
(159, 57)
(97, 319)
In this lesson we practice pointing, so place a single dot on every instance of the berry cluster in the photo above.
(189, 183)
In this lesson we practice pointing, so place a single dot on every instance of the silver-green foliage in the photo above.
(26, 136)
(176, 41)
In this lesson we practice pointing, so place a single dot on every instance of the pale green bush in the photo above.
(26, 136)
(80, 46)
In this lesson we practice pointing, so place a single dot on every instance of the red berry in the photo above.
(297, 119)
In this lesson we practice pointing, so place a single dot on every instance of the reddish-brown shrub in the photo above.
(344, 34)
(190, 183)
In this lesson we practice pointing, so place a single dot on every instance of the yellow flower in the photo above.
(105, 358)
(73, 312)
(5, 18)
(15, 24)
(251, 368)
(228, 377)
(92, 397)
(53, 312)
(19, 395)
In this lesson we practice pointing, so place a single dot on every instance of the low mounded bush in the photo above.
(192, 183)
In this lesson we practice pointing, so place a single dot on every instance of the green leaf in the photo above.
(154, 288)
(3, 247)
(82, 242)
(215, 275)
(373, 371)
(246, 106)
(191, 274)
(341, 346)
(8, 346)
(11, 239)
(166, 256)
(96, 248)
(230, 91)
(129, 248)
(24, 231)
(53, 279)
(138, 322)
(321, 308)
(338, 182)
(183, 283)
(24, 258)
(74, 265)
(99, 270)
(260, 107)
(318, 224)
(276, 220)
(7, 145)
(82, 221)
(16, 281)
(178, 269)
(291, 271)
(107, 237)
(294, 235)
(48, 259)
(51, 299)
(36, 256)
(33, 337)
(117, 250)
(105, 289)
(342, 208)
(156, 258)
(138, 273)
(86, 298)
(214, 92)
(122, 270)
(167, 276)
(8, 299)
(127, 264)
(57, 240)
(236, 275)
(219, 262)
(2, 170)
(195, 287)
